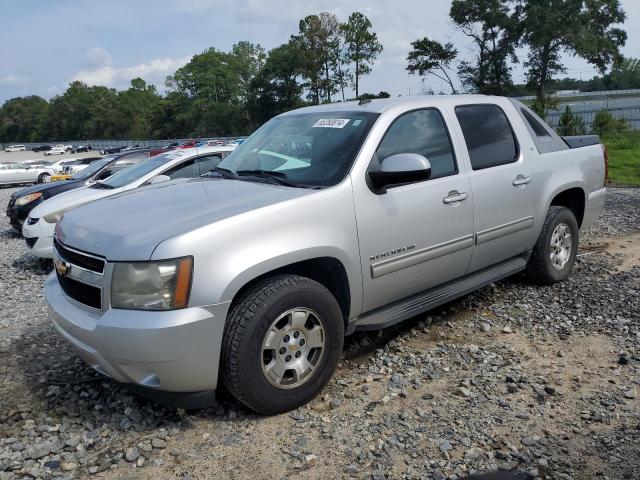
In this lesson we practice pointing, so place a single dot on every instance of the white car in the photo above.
(15, 148)
(192, 163)
(59, 165)
(13, 173)
(57, 150)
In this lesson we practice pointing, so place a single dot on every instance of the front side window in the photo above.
(422, 132)
(488, 135)
(308, 149)
(208, 163)
(182, 170)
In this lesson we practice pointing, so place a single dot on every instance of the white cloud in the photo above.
(109, 75)
(12, 79)
(97, 57)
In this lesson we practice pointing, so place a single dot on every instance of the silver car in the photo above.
(327, 220)
(16, 173)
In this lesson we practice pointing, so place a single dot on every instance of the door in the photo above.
(501, 183)
(21, 173)
(420, 235)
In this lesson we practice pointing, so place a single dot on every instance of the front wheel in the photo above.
(44, 178)
(282, 342)
(555, 251)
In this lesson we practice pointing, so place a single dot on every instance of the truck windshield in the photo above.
(315, 149)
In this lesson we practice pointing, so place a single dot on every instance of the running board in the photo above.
(430, 299)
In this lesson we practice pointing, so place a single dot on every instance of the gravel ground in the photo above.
(540, 380)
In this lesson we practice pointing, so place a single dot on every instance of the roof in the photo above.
(379, 105)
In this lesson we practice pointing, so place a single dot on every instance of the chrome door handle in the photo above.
(455, 197)
(521, 180)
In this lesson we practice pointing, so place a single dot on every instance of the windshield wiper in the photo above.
(223, 172)
(102, 185)
(276, 177)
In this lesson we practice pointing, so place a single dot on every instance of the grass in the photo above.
(624, 158)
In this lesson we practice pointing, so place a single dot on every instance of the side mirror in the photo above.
(159, 179)
(400, 168)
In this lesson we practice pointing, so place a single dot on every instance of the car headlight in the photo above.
(156, 285)
(54, 217)
(27, 199)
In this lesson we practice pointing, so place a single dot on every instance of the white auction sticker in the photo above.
(331, 123)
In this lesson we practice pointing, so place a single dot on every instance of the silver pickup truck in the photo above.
(327, 220)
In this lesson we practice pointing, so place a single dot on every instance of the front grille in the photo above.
(81, 292)
(31, 241)
(75, 258)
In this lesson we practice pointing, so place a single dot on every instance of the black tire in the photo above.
(540, 269)
(42, 178)
(248, 322)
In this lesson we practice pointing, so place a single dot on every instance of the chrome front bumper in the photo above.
(171, 351)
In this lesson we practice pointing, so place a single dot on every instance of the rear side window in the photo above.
(422, 132)
(488, 135)
(535, 125)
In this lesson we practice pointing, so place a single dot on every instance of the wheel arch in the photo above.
(574, 199)
(329, 271)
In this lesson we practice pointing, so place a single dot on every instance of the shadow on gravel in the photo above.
(10, 233)
(33, 264)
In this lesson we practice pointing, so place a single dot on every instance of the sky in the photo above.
(45, 44)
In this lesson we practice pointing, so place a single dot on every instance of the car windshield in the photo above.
(307, 149)
(140, 169)
(93, 168)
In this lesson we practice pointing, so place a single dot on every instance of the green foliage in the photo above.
(584, 28)
(432, 57)
(624, 155)
(604, 124)
(361, 45)
(494, 29)
(570, 124)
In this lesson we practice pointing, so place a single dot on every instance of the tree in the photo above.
(432, 57)
(585, 28)
(493, 27)
(570, 124)
(362, 46)
(318, 39)
(24, 119)
(275, 89)
(604, 124)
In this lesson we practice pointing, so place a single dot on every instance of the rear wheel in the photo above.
(44, 178)
(283, 339)
(555, 251)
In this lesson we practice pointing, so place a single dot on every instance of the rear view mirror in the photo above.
(158, 179)
(400, 169)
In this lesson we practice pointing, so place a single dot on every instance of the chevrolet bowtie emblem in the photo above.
(62, 268)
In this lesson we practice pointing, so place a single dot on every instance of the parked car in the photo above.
(15, 148)
(60, 164)
(167, 148)
(26, 199)
(80, 148)
(16, 173)
(41, 148)
(215, 143)
(110, 150)
(71, 168)
(256, 275)
(236, 143)
(39, 227)
(57, 150)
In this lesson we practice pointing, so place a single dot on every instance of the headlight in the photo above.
(28, 199)
(54, 217)
(158, 285)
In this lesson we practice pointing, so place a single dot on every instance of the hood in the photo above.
(45, 187)
(71, 199)
(130, 226)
